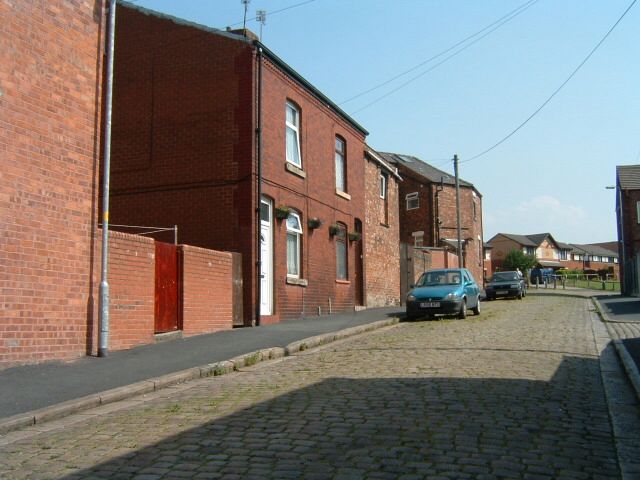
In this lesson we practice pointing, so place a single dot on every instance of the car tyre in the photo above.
(463, 310)
(476, 309)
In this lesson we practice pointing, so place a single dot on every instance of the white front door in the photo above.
(266, 257)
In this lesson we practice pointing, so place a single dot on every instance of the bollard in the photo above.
(604, 287)
(555, 283)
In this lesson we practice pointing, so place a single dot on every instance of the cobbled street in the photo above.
(514, 393)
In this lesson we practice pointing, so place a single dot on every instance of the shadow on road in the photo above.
(345, 427)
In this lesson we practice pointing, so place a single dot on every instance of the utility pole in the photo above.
(455, 168)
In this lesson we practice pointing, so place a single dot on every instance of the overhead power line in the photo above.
(557, 90)
(276, 11)
(438, 55)
(492, 28)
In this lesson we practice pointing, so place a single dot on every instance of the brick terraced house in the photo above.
(214, 133)
(427, 204)
(382, 224)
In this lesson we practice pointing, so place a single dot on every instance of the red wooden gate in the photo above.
(167, 307)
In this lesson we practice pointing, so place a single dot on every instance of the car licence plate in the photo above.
(502, 292)
(429, 304)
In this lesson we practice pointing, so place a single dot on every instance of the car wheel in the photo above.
(476, 309)
(463, 310)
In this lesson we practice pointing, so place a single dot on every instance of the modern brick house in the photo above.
(382, 248)
(214, 133)
(427, 204)
(554, 254)
(50, 91)
(546, 249)
(628, 219)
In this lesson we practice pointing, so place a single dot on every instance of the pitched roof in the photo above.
(628, 177)
(429, 172)
(534, 240)
(375, 156)
(593, 249)
(262, 48)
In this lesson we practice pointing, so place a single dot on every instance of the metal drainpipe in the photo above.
(259, 180)
(103, 346)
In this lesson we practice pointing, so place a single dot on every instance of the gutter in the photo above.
(258, 133)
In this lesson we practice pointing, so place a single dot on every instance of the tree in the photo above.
(518, 259)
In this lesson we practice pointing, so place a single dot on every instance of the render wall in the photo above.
(50, 78)
(382, 245)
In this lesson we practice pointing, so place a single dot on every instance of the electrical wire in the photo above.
(275, 12)
(544, 104)
(413, 79)
(523, 7)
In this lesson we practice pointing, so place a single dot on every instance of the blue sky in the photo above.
(551, 175)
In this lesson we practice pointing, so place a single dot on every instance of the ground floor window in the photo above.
(341, 253)
(294, 236)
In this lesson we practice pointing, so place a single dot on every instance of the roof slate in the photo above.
(592, 249)
(422, 168)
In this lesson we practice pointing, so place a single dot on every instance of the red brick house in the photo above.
(628, 220)
(216, 134)
(554, 254)
(427, 204)
(382, 224)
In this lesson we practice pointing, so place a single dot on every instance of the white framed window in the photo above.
(384, 179)
(341, 165)
(413, 201)
(294, 242)
(293, 135)
(342, 271)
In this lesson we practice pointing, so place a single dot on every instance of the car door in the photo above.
(470, 289)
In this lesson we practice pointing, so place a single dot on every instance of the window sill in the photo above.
(290, 167)
(343, 282)
(342, 194)
(297, 281)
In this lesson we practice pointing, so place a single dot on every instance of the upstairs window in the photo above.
(384, 180)
(293, 135)
(413, 201)
(341, 165)
(384, 194)
(294, 236)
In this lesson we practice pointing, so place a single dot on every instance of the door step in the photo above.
(168, 336)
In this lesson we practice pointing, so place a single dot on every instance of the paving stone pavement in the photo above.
(517, 392)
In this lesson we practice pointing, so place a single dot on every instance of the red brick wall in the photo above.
(207, 295)
(49, 149)
(131, 277)
(183, 135)
(417, 219)
(382, 248)
(312, 196)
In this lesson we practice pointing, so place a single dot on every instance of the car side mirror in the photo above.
(413, 285)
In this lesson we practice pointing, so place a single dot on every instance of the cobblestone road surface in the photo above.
(513, 393)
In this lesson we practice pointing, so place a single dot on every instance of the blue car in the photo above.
(447, 291)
